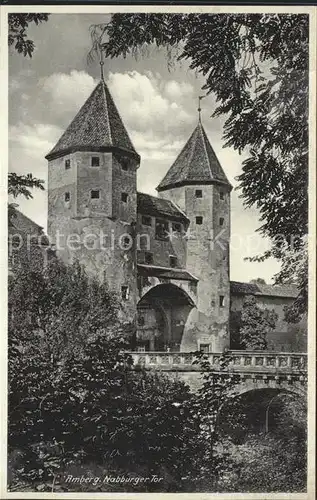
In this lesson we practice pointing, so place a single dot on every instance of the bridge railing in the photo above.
(241, 361)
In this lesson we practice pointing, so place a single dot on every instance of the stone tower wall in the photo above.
(96, 232)
(207, 258)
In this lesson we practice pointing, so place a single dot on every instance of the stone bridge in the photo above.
(257, 369)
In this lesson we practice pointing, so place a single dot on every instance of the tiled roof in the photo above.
(20, 223)
(151, 205)
(238, 288)
(165, 272)
(97, 125)
(196, 163)
(23, 223)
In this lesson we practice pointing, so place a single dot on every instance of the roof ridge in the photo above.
(118, 112)
(192, 148)
(205, 148)
(25, 217)
(178, 208)
(103, 84)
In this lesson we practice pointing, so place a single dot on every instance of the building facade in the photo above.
(166, 257)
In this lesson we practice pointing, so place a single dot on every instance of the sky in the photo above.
(158, 105)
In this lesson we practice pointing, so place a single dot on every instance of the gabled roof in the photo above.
(197, 163)
(238, 288)
(151, 205)
(21, 224)
(97, 125)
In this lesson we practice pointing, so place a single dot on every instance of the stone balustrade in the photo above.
(241, 361)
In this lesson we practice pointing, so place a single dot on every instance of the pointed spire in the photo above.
(96, 127)
(197, 163)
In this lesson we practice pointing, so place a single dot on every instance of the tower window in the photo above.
(124, 292)
(198, 193)
(221, 301)
(124, 164)
(95, 194)
(124, 197)
(176, 227)
(67, 164)
(95, 161)
(146, 220)
(127, 242)
(204, 348)
(173, 261)
(141, 320)
(221, 221)
(161, 229)
(199, 220)
(222, 195)
(67, 196)
(148, 258)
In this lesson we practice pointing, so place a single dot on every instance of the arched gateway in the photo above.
(162, 314)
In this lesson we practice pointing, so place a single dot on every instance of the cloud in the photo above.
(36, 140)
(178, 90)
(152, 147)
(68, 92)
(143, 105)
(145, 101)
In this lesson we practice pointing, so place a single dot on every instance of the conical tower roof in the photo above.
(197, 163)
(97, 126)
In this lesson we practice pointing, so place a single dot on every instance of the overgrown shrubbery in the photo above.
(76, 407)
(250, 326)
(74, 402)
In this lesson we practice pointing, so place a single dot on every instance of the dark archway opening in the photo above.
(262, 411)
(162, 315)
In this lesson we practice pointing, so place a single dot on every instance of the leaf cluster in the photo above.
(255, 324)
(21, 184)
(18, 25)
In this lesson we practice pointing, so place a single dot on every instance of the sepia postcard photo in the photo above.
(158, 238)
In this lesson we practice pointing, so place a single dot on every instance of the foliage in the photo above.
(257, 67)
(216, 393)
(58, 305)
(20, 184)
(18, 25)
(73, 399)
(275, 461)
(251, 326)
(294, 270)
(234, 328)
(76, 407)
(259, 281)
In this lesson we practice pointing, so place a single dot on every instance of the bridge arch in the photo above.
(162, 314)
(253, 384)
(256, 409)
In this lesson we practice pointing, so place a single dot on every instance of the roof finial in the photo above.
(199, 108)
(101, 62)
